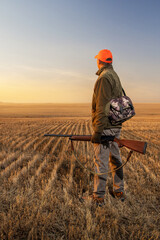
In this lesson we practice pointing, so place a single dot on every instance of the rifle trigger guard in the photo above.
(120, 145)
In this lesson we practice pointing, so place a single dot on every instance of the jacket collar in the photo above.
(103, 68)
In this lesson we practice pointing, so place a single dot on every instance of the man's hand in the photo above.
(96, 137)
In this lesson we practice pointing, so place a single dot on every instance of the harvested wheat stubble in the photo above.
(40, 183)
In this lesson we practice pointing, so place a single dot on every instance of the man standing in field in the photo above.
(107, 87)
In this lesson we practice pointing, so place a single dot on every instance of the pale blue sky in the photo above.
(47, 48)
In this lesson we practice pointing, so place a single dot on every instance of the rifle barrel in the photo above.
(57, 135)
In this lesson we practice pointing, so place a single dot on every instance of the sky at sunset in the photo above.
(47, 48)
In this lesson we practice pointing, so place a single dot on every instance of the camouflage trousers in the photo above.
(104, 156)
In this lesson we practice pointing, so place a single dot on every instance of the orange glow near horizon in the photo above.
(20, 90)
(29, 85)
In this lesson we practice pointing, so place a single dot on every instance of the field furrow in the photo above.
(55, 173)
(39, 146)
(54, 141)
(19, 130)
(44, 171)
(19, 144)
(15, 166)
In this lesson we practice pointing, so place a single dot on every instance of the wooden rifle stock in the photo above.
(137, 146)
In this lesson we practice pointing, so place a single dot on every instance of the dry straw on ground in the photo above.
(40, 182)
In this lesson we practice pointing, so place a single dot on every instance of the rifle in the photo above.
(133, 145)
(137, 146)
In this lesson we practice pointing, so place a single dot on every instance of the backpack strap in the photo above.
(123, 92)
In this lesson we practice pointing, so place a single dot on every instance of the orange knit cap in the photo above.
(103, 55)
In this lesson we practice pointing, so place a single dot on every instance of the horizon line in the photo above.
(1, 102)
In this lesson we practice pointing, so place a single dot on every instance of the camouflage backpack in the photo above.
(121, 109)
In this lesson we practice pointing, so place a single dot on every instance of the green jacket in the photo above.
(107, 87)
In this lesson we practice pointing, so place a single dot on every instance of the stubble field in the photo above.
(41, 182)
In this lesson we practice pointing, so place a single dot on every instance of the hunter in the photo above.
(107, 87)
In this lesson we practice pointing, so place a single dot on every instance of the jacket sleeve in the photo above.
(103, 93)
